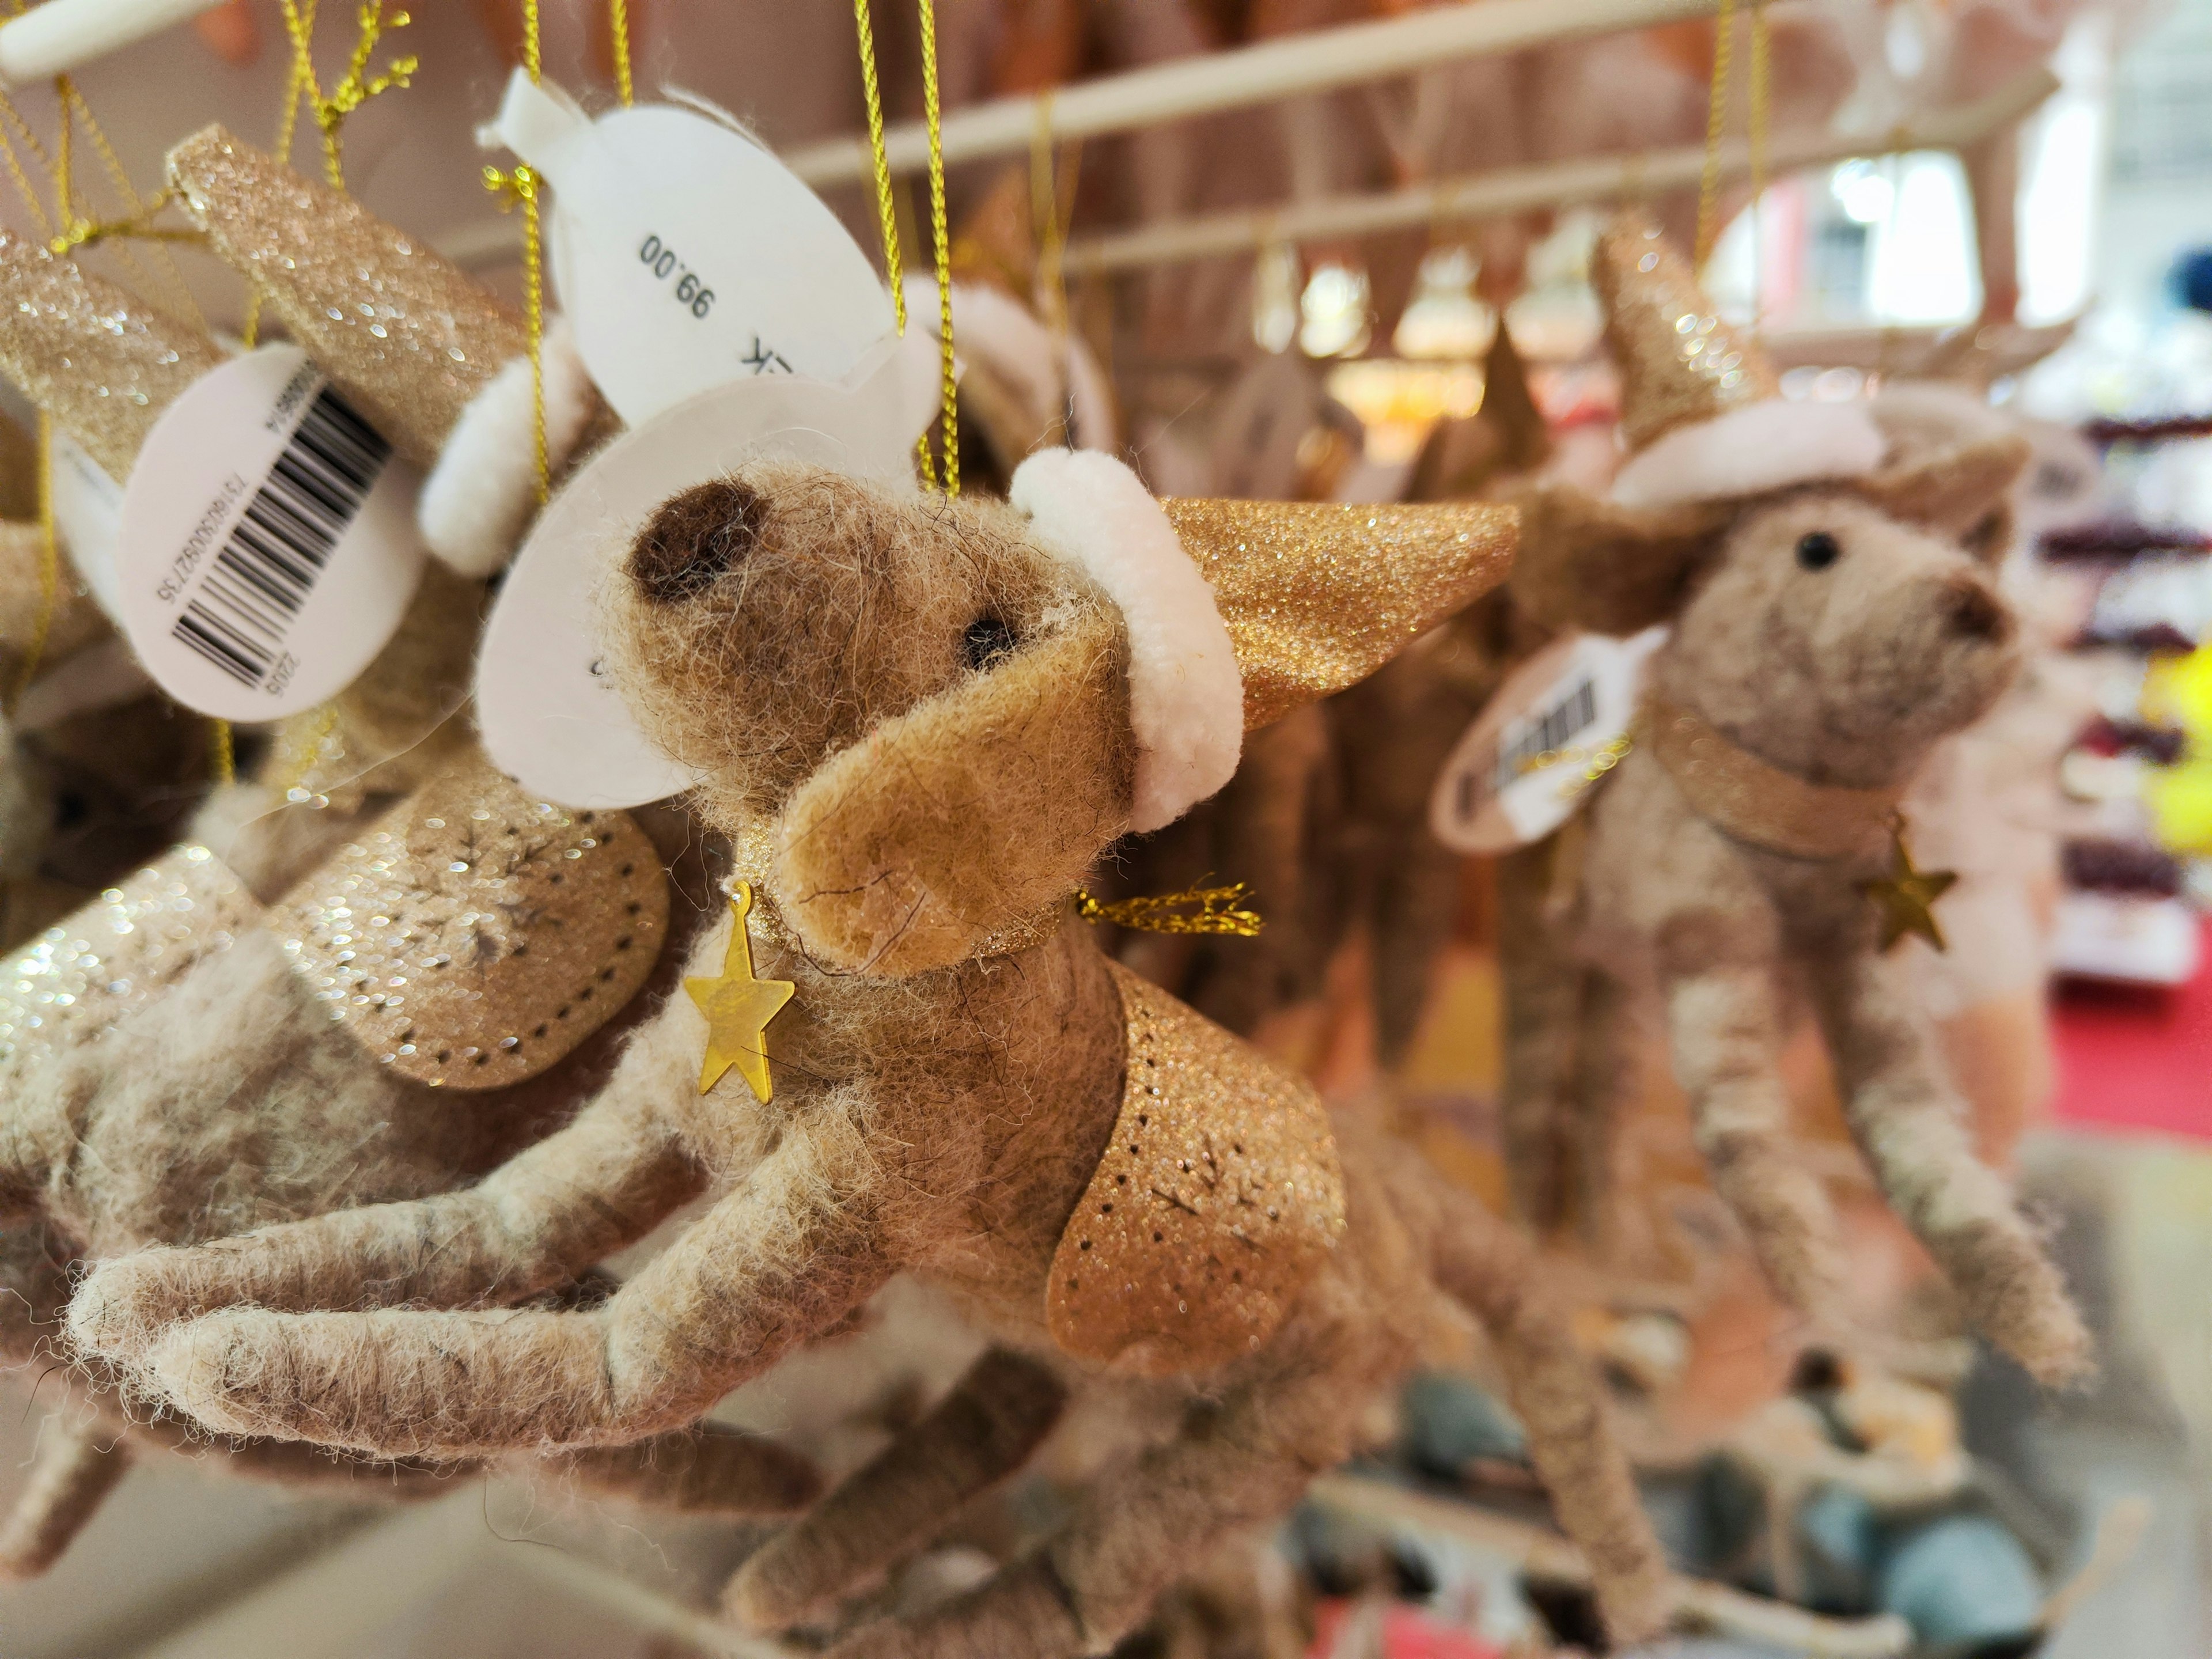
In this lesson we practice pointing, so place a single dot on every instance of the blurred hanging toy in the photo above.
(1831, 617)
(920, 720)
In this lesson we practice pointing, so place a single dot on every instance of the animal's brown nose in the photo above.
(1973, 611)
(694, 537)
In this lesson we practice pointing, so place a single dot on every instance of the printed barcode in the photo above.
(239, 614)
(1551, 730)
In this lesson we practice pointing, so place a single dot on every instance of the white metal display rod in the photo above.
(63, 34)
(1517, 190)
(1212, 82)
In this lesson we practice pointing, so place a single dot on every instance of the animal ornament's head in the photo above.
(927, 717)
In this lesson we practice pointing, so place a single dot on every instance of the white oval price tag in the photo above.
(685, 255)
(1527, 761)
(266, 547)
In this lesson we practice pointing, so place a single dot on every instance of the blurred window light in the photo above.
(2061, 167)
(1275, 298)
(1445, 319)
(1865, 195)
(1337, 321)
(1921, 257)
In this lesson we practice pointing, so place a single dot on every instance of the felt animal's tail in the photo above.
(980, 1433)
(1485, 1265)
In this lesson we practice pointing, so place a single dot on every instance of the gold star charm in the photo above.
(738, 1008)
(1905, 896)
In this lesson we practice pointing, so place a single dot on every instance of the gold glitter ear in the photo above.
(406, 334)
(1219, 1197)
(1678, 362)
(103, 364)
(1317, 596)
(473, 936)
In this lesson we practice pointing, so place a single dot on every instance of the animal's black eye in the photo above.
(988, 639)
(1818, 550)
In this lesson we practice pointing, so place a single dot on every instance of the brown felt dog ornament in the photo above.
(1833, 618)
(172, 1067)
(920, 721)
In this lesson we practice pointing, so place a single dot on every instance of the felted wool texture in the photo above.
(942, 1121)
(476, 501)
(1844, 675)
(1186, 697)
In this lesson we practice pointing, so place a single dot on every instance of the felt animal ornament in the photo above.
(920, 721)
(180, 1061)
(1833, 618)
(440, 367)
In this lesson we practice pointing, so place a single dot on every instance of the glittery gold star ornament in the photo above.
(738, 1008)
(1906, 896)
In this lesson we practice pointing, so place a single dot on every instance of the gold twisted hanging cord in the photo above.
(1760, 43)
(521, 184)
(618, 27)
(1217, 910)
(1709, 182)
(887, 212)
(943, 241)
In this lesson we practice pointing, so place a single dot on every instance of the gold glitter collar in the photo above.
(1745, 797)
(1218, 1199)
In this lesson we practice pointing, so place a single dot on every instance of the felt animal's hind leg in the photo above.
(707, 1469)
(785, 1255)
(1238, 1464)
(75, 1469)
(1484, 1265)
(1541, 983)
(601, 1183)
(1911, 1126)
(980, 1432)
(1724, 1025)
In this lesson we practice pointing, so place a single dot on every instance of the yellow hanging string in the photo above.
(944, 239)
(885, 205)
(1219, 910)
(521, 184)
(618, 27)
(1709, 182)
(355, 87)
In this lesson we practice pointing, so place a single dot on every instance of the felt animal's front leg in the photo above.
(1912, 1125)
(786, 1255)
(1717, 971)
(536, 1222)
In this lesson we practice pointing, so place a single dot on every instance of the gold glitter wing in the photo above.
(1678, 362)
(474, 936)
(116, 954)
(1218, 1199)
(103, 364)
(1317, 596)
(408, 335)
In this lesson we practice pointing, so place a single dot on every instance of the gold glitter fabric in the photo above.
(118, 952)
(408, 335)
(102, 364)
(1317, 596)
(1742, 796)
(1219, 1197)
(474, 935)
(1678, 362)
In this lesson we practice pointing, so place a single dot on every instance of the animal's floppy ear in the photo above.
(1956, 491)
(1596, 565)
(967, 814)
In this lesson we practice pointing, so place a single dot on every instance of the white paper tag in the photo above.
(267, 547)
(685, 255)
(87, 511)
(550, 715)
(1526, 764)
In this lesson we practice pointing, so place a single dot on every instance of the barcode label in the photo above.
(1555, 728)
(240, 615)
